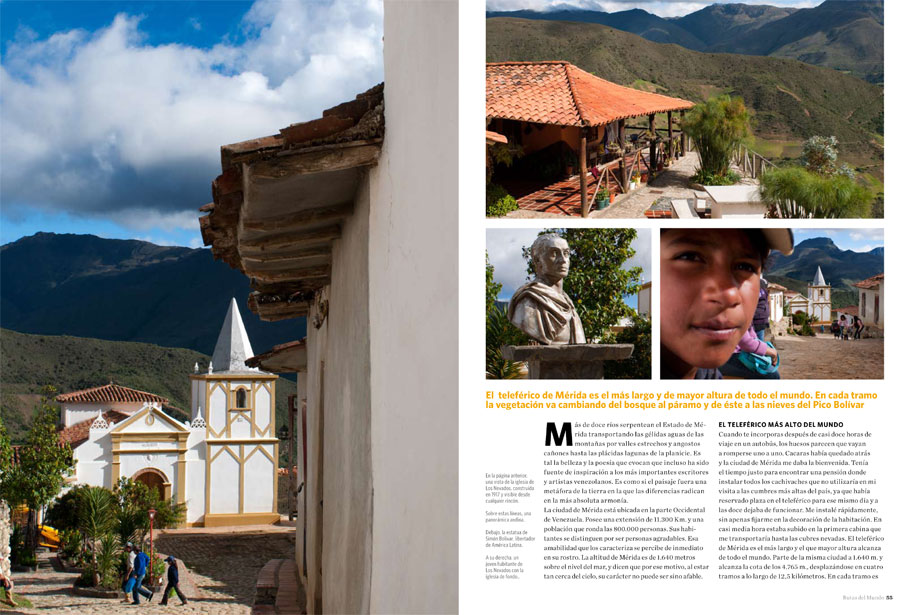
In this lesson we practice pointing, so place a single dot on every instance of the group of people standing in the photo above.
(843, 329)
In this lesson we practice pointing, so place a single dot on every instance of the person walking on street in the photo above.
(128, 584)
(857, 327)
(141, 564)
(172, 577)
(6, 583)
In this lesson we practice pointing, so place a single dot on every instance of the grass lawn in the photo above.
(20, 601)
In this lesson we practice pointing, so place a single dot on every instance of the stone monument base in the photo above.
(567, 361)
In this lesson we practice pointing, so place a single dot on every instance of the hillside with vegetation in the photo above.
(789, 100)
(126, 290)
(29, 362)
(845, 35)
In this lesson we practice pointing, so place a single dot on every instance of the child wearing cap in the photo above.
(172, 582)
(709, 291)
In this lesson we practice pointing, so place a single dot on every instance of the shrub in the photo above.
(70, 542)
(708, 179)
(501, 332)
(806, 329)
(499, 202)
(63, 513)
(800, 318)
(717, 127)
(638, 364)
(794, 192)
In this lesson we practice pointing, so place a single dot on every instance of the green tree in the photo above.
(598, 281)
(42, 467)
(717, 127)
(637, 366)
(499, 331)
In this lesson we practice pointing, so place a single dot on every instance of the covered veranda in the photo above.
(557, 114)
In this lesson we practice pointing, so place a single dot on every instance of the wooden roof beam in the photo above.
(298, 239)
(300, 219)
(321, 159)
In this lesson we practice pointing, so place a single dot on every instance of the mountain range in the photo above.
(841, 268)
(845, 35)
(126, 290)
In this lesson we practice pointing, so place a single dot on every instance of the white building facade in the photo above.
(222, 465)
(818, 293)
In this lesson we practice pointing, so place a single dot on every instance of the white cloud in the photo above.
(100, 123)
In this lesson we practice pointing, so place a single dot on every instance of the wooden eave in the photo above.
(281, 201)
(288, 357)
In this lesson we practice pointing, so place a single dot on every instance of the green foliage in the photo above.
(499, 202)
(158, 566)
(717, 127)
(43, 466)
(501, 154)
(794, 192)
(820, 155)
(800, 318)
(96, 520)
(637, 366)
(63, 513)
(598, 282)
(710, 179)
(501, 332)
(70, 542)
(107, 561)
(134, 500)
(807, 330)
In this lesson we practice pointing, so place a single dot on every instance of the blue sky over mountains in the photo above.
(113, 112)
(663, 8)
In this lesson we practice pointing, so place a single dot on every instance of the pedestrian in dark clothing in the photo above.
(173, 582)
(857, 327)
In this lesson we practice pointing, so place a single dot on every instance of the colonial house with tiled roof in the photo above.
(222, 465)
(871, 301)
(776, 301)
(539, 105)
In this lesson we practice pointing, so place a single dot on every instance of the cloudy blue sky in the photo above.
(112, 113)
(855, 239)
(504, 247)
(663, 8)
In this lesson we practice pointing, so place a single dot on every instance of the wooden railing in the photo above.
(751, 164)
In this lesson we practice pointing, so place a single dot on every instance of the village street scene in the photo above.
(194, 380)
(729, 111)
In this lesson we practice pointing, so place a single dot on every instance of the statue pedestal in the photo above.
(567, 361)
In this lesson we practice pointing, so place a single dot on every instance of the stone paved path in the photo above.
(223, 567)
(824, 357)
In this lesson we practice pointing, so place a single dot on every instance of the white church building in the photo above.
(222, 465)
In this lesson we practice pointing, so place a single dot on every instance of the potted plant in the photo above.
(602, 198)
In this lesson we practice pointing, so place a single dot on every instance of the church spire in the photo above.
(819, 280)
(233, 346)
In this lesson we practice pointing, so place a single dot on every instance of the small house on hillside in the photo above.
(557, 115)
(871, 301)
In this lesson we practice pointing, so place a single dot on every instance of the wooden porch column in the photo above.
(652, 170)
(582, 172)
(621, 141)
(671, 147)
(683, 136)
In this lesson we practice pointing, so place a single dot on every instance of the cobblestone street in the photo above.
(223, 568)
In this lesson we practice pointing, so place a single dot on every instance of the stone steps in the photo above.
(277, 589)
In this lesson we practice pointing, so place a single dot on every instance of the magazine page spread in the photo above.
(687, 401)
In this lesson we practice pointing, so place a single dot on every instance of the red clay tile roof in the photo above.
(777, 288)
(563, 94)
(872, 282)
(78, 433)
(495, 137)
(853, 310)
(110, 393)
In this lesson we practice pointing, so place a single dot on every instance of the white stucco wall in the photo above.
(224, 481)
(263, 409)
(347, 478)
(867, 306)
(195, 475)
(218, 408)
(131, 463)
(93, 459)
(413, 265)
(258, 482)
